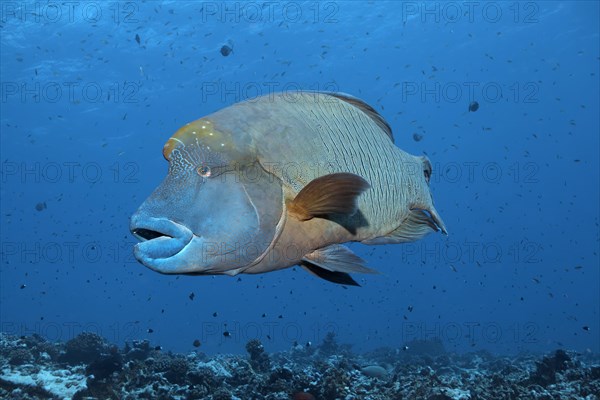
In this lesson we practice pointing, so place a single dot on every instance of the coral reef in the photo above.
(329, 345)
(545, 372)
(259, 359)
(84, 348)
(87, 367)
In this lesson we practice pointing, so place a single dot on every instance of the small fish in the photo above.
(150, 330)
(473, 106)
(196, 343)
(232, 203)
(192, 295)
(226, 50)
(226, 334)
(137, 38)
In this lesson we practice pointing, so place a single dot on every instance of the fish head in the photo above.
(216, 212)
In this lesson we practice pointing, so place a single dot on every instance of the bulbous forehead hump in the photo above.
(200, 131)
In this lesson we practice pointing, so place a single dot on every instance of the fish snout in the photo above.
(160, 238)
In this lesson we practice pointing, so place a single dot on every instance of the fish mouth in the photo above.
(146, 234)
(160, 238)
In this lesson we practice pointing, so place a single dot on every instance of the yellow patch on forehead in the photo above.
(203, 131)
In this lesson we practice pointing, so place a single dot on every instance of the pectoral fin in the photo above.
(418, 224)
(329, 194)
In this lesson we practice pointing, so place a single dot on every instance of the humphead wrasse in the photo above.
(283, 180)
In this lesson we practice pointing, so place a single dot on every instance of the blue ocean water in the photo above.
(90, 92)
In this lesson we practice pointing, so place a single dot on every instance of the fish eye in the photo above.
(203, 171)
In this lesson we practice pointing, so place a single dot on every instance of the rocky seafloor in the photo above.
(88, 367)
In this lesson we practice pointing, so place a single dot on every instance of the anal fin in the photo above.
(334, 264)
(338, 258)
(334, 277)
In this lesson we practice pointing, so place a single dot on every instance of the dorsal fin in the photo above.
(367, 109)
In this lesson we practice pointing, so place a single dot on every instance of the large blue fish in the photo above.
(283, 180)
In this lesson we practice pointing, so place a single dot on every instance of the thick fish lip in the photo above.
(160, 238)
